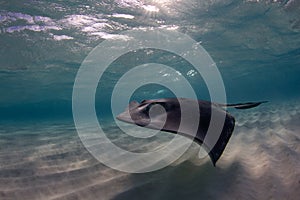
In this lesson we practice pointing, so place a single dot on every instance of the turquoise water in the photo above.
(255, 45)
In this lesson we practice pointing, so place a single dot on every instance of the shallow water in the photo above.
(46, 160)
(255, 45)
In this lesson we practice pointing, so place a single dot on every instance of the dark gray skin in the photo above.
(149, 114)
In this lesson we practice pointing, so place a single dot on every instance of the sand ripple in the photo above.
(261, 161)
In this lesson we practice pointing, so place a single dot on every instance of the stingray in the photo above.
(167, 115)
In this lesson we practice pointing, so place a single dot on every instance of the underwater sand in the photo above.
(261, 161)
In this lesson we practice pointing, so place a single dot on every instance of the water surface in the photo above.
(255, 44)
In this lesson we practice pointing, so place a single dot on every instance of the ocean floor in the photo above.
(46, 160)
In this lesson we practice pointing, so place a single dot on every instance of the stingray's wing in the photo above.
(243, 105)
(216, 152)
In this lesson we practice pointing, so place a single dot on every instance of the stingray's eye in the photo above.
(148, 107)
(155, 108)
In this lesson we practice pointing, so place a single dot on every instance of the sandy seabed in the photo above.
(261, 161)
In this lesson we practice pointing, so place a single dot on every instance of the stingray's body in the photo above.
(148, 114)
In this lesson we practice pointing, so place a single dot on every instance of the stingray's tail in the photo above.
(243, 105)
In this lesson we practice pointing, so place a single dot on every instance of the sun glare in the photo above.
(151, 8)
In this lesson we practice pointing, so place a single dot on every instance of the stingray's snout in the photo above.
(125, 117)
(134, 114)
(130, 113)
